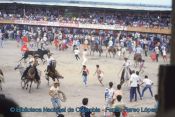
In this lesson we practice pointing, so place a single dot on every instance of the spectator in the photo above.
(148, 84)
(85, 107)
(133, 86)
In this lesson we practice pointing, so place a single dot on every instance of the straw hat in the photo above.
(50, 54)
(36, 55)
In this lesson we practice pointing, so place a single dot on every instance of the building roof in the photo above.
(150, 5)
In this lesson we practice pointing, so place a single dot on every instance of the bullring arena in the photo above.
(135, 31)
(72, 85)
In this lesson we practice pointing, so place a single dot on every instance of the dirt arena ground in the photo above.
(72, 85)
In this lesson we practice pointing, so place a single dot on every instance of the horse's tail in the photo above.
(1, 78)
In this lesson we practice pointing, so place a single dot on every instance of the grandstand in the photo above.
(142, 16)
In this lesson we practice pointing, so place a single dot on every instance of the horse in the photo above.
(24, 81)
(126, 73)
(137, 59)
(111, 50)
(40, 52)
(53, 73)
(96, 48)
(1, 79)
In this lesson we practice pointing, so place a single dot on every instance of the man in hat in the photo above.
(110, 43)
(32, 62)
(56, 96)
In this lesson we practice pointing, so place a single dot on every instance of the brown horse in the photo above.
(111, 50)
(137, 59)
(31, 77)
(53, 73)
(1, 79)
(96, 48)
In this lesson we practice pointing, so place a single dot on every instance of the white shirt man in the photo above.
(76, 52)
(45, 38)
(133, 84)
(147, 81)
(134, 80)
(164, 52)
(49, 60)
(148, 84)
(157, 50)
(110, 43)
(86, 42)
(138, 50)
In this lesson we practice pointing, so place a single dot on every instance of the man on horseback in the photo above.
(50, 59)
(110, 43)
(33, 62)
(138, 53)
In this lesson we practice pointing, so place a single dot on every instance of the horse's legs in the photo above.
(25, 83)
(30, 86)
(38, 83)
(113, 55)
(110, 54)
(53, 79)
(47, 78)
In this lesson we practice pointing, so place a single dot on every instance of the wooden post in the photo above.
(167, 79)
(173, 35)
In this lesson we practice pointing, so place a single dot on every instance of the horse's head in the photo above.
(31, 73)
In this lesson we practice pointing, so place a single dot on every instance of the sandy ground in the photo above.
(72, 85)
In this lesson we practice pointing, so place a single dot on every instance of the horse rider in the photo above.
(32, 62)
(49, 61)
(138, 51)
(110, 43)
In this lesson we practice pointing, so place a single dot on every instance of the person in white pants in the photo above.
(84, 57)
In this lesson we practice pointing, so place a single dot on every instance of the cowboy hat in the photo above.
(56, 82)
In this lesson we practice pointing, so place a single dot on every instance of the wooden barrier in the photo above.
(90, 26)
(149, 30)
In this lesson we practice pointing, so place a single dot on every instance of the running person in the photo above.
(85, 73)
(77, 52)
(100, 74)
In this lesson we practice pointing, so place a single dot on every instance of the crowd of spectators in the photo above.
(87, 16)
(127, 39)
